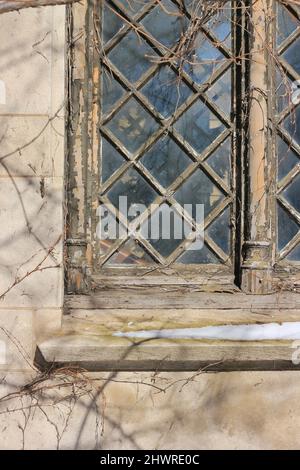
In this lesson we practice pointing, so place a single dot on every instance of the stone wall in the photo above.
(125, 410)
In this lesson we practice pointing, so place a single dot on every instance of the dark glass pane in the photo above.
(286, 23)
(108, 231)
(220, 24)
(203, 60)
(202, 256)
(132, 56)
(199, 126)
(166, 91)
(292, 55)
(199, 189)
(220, 92)
(287, 158)
(284, 91)
(165, 161)
(287, 228)
(220, 231)
(111, 23)
(111, 160)
(292, 193)
(136, 189)
(131, 253)
(292, 125)
(112, 91)
(165, 23)
(131, 7)
(132, 125)
(165, 230)
(220, 161)
(294, 255)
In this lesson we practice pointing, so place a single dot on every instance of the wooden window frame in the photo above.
(260, 291)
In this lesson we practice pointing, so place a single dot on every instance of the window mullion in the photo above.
(257, 246)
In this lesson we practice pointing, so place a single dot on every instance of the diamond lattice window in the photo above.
(166, 131)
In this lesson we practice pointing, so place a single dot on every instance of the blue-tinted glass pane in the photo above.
(131, 253)
(221, 23)
(286, 23)
(287, 228)
(287, 158)
(166, 161)
(220, 231)
(220, 92)
(199, 189)
(294, 255)
(292, 193)
(220, 161)
(292, 125)
(136, 189)
(201, 256)
(111, 23)
(165, 23)
(166, 91)
(132, 56)
(199, 126)
(165, 230)
(131, 7)
(203, 60)
(111, 160)
(284, 91)
(292, 55)
(112, 91)
(132, 125)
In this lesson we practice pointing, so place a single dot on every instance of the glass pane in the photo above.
(202, 256)
(292, 193)
(111, 23)
(199, 126)
(199, 189)
(287, 158)
(112, 91)
(294, 255)
(203, 60)
(166, 91)
(166, 161)
(220, 230)
(131, 253)
(287, 228)
(220, 161)
(220, 92)
(284, 91)
(292, 55)
(137, 191)
(166, 23)
(220, 24)
(111, 160)
(292, 125)
(131, 7)
(132, 56)
(109, 230)
(286, 23)
(165, 230)
(132, 125)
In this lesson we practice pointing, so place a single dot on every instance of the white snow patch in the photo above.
(266, 331)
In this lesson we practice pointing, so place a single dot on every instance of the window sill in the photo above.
(88, 340)
(102, 353)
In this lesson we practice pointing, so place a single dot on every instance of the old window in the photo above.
(174, 104)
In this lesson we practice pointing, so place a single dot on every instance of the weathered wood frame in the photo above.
(97, 306)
